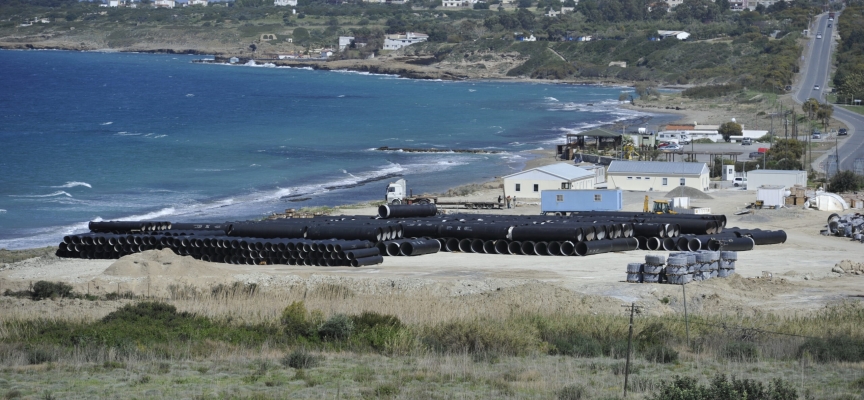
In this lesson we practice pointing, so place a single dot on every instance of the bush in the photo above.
(378, 331)
(50, 290)
(721, 388)
(706, 92)
(483, 337)
(576, 346)
(296, 321)
(661, 354)
(839, 348)
(741, 351)
(338, 327)
(300, 359)
(572, 392)
(40, 355)
(845, 181)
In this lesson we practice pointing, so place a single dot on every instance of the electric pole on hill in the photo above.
(633, 307)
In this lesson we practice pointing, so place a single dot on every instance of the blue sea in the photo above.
(106, 136)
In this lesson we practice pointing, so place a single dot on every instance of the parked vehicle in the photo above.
(816, 87)
(746, 141)
(398, 193)
(739, 182)
(672, 146)
(755, 154)
(817, 135)
(842, 132)
(818, 36)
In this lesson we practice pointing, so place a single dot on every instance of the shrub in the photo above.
(845, 181)
(572, 392)
(661, 354)
(721, 388)
(295, 320)
(338, 327)
(576, 346)
(371, 319)
(377, 331)
(741, 351)
(148, 310)
(479, 337)
(40, 355)
(50, 290)
(705, 92)
(838, 348)
(300, 359)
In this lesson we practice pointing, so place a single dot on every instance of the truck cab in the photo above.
(395, 192)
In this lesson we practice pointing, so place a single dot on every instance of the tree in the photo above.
(845, 181)
(301, 36)
(810, 107)
(730, 129)
(525, 3)
(824, 114)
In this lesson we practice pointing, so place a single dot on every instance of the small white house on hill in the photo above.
(529, 183)
(646, 176)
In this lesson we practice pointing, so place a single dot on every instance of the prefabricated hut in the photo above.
(529, 183)
(787, 179)
(660, 176)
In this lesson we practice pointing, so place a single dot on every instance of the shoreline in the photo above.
(538, 157)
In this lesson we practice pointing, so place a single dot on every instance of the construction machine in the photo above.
(660, 207)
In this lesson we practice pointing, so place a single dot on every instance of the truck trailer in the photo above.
(561, 202)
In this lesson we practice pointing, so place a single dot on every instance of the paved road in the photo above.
(816, 72)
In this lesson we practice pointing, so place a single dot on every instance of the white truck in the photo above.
(398, 193)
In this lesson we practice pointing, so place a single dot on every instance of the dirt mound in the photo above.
(160, 263)
(686, 191)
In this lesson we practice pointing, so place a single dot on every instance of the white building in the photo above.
(164, 3)
(680, 35)
(528, 184)
(197, 3)
(284, 3)
(453, 3)
(646, 176)
(769, 177)
(344, 42)
(693, 132)
(396, 42)
(114, 3)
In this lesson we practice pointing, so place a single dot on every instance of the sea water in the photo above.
(106, 136)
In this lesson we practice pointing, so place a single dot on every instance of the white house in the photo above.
(453, 3)
(164, 3)
(114, 3)
(680, 35)
(646, 176)
(197, 3)
(344, 42)
(284, 3)
(396, 42)
(528, 184)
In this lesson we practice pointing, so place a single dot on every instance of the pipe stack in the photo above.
(231, 250)
(683, 267)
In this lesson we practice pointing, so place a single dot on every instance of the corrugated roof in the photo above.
(564, 171)
(657, 167)
(599, 132)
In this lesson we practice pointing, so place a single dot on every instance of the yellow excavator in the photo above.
(628, 151)
(660, 207)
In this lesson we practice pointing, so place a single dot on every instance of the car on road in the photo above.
(671, 146)
(818, 36)
(740, 181)
(842, 132)
(817, 135)
(829, 25)
(755, 154)
(746, 141)
(816, 87)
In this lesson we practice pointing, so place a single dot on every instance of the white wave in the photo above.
(190, 95)
(471, 90)
(151, 215)
(36, 196)
(127, 134)
(2, 211)
(551, 99)
(341, 95)
(72, 184)
(251, 63)
(159, 136)
(106, 123)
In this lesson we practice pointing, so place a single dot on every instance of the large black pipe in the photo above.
(362, 232)
(407, 211)
(515, 247)
(502, 247)
(268, 231)
(419, 247)
(732, 244)
(361, 253)
(547, 233)
(475, 231)
(606, 246)
(371, 260)
(761, 237)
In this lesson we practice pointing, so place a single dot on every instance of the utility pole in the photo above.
(632, 308)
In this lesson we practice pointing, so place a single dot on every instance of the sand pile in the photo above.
(686, 191)
(848, 267)
(161, 263)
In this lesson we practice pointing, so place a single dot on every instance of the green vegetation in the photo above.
(845, 181)
(723, 389)
(729, 129)
(756, 50)
(849, 77)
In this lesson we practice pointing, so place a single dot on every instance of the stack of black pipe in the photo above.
(220, 248)
(416, 230)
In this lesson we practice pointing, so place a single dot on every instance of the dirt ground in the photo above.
(784, 279)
